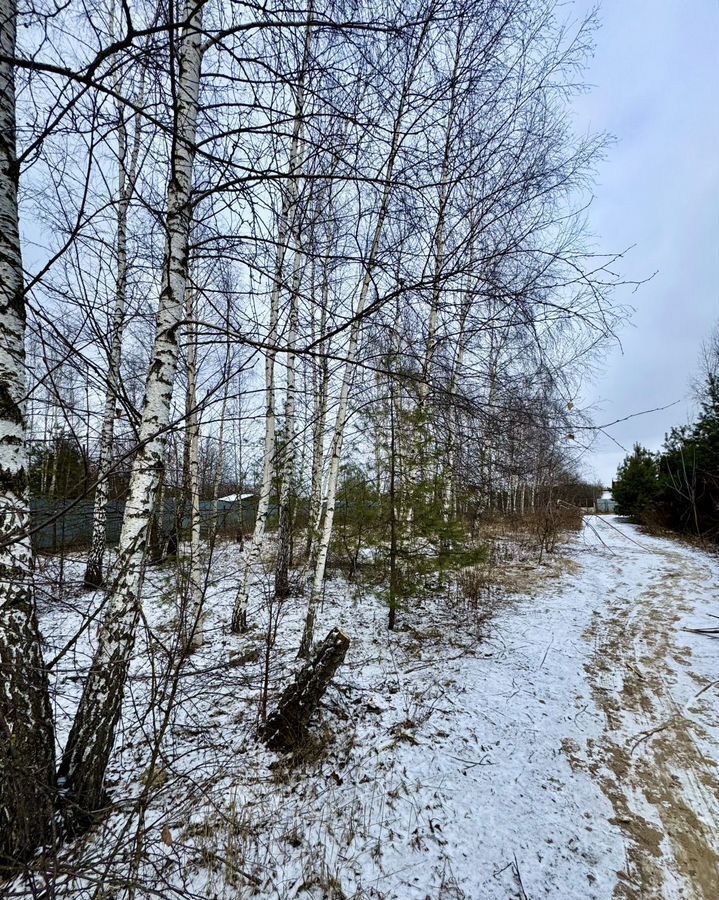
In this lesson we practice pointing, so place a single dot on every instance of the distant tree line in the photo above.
(678, 487)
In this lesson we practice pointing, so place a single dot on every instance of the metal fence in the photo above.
(57, 524)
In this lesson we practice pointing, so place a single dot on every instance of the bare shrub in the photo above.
(546, 525)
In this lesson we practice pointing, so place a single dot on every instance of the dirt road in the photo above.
(657, 759)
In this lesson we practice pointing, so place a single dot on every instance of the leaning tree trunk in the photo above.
(27, 743)
(323, 544)
(92, 735)
(336, 453)
(286, 727)
(94, 576)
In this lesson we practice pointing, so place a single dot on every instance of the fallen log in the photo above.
(286, 726)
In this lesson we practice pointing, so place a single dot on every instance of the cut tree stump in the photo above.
(286, 726)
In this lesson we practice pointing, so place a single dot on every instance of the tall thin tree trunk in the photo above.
(288, 215)
(239, 611)
(392, 617)
(192, 620)
(94, 576)
(348, 374)
(27, 743)
(91, 738)
(450, 500)
(284, 535)
(239, 474)
(284, 531)
(220, 468)
(417, 468)
(337, 441)
(321, 380)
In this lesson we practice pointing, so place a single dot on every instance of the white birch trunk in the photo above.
(417, 466)
(450, 499)
(343, 407)
(488, 451)
(219, 471)
(27, 744)
(94, 576)
(288, 214)
(192, 619)
(284, 536)
(92, 735)
(284, 532)
(321, 395)
(239, 612)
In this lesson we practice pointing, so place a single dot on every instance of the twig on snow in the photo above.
(518, 875)
(645, 735)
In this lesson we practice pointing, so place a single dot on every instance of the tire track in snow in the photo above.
(664, 789)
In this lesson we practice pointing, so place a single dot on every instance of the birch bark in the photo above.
(220, 468)
(418, 471)
(127, 174)
(287, 220)
(284, 535)
(192, 619)
(321, 379)
(343, 407)
(284, 532)
(450, 498)
(239, 611)
(90, 743)
(27, 744)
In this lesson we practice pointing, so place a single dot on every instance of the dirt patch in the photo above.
(527, 576)
(647, 762)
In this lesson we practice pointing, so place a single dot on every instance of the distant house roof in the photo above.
(233, 498)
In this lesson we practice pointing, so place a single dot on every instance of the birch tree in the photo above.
(27, 742)
(369, 270)
(127, 174)
(320, 393)
(284, 531)
(286, 230)
(284, 535)
(91, 739)
(192, 616)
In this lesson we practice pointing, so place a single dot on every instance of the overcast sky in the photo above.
(655, 80)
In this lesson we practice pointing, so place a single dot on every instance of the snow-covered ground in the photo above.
(567, 748)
